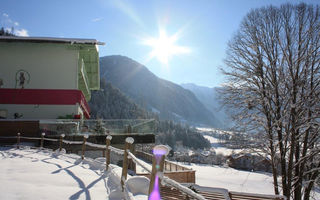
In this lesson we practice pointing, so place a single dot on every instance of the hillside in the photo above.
(209, 97)
(110, 103)
(170, 101)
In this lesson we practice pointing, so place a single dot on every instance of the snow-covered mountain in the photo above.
(209, 97)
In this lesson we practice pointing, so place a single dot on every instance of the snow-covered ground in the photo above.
(33, 174)
(220, 149)
(213, 130)
(235, 180)
(232, 179)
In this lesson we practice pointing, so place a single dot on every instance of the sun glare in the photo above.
(164, 47)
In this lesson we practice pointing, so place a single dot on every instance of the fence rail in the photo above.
(170, 189)
(168, 165)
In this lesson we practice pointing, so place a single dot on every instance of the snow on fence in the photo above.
(169, 188)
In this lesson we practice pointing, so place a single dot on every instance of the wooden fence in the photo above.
(12, 127)
(168, 165)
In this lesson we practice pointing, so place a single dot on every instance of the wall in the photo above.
(51, 66)
(40, 111)
(25, 128)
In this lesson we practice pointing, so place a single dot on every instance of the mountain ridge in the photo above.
(169, 100)
(209, 97)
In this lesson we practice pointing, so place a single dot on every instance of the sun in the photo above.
(165, 47)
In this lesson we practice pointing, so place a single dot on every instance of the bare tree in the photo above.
(274, 86)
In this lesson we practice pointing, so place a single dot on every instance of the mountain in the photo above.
(110, 103)
(167, 99)
(210, 98)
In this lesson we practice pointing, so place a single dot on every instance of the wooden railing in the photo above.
(172, 170)
(169, 166)
(171, 188)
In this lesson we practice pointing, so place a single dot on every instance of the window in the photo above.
(3, 114)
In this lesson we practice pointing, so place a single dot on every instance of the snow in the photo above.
(235, 180)
(219, 149)
(71, 142)
(96, 145)
(232, 179)
(137, 188)
(33, 174)
(211, 139)
(53, 39)
(182, 188)
(129, 140)
(116, 150)
(214, 130)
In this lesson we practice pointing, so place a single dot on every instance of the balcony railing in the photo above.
(97, 127)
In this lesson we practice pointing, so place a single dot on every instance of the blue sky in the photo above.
(203, 27)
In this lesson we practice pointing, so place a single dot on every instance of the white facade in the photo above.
(46, 64)
(49, 67)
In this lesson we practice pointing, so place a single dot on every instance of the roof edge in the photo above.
(51, 40)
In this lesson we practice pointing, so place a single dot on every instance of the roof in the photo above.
(50, 40)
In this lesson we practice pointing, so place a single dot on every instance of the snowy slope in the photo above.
(33, 174)
(235, 180)
(220, 149)
(232, 179)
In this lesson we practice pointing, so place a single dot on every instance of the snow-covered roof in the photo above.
(50, 40)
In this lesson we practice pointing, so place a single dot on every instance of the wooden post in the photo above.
(129, 129)
(84, 146)
(158, 161)
(108, 142)
(42, 137)
(60, 142)
(132, 165)
(155, 169)
(18, 141)
(129, 141)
